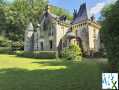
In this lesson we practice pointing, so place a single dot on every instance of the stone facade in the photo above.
(53, 33)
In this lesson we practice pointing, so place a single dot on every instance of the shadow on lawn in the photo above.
(75, 77)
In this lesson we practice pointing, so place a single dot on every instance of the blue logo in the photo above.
(110, 81)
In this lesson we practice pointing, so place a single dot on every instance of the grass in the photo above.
(42, 74)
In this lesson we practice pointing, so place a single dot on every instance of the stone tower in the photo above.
(28, 44)
(87, 29)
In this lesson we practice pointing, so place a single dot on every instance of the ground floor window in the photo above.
(51, 44)
(41, 44)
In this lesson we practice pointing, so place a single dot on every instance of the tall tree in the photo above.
(60, 11)
(17, 15)
(110, 33)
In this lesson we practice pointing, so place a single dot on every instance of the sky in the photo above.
(94, 6)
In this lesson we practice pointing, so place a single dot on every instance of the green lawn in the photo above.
(42, 74)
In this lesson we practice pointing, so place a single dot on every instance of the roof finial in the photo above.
(74, 14)
(92, 18)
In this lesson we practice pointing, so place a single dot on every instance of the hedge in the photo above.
(5, 50)
(4, 42)
(37, 54)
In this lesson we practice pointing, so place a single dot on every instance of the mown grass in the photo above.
(42, 74)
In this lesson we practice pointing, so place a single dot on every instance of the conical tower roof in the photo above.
(81, 15)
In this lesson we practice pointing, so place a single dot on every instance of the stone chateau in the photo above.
(53, 33)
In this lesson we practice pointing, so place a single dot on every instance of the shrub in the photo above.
(73, 52)
(5, 45)
(4, 42)
(37, 54)
(17, 45)
(5, 50)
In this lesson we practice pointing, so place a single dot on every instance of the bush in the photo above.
(4, 42)
(5, 45)
(5, 50)
(37, 54)
(17, 45)
(73, 52)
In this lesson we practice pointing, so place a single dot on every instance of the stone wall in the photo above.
(60, 33)
(94, 38)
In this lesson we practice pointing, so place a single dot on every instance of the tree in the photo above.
(4, 42)
(110, 33)
(60, 11)
(16, 15)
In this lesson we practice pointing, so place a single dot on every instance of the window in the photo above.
(51, 44)
(76, 32)
(50, 32)
(84, 30)
(62, 27)
(41, 44)
(94, 43)
(94, 34)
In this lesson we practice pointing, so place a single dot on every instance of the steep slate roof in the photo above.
(81, 15)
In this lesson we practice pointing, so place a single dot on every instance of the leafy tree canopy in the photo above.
(60, 11)
(14, 16)
(110, 33)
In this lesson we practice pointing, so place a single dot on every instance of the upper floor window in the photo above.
(76, 32)
(62, 27)
(50, 30)
(50, 33)
(84, 30)
(41, 34)
(94, 34)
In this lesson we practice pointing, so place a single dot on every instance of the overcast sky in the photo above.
(95, 6)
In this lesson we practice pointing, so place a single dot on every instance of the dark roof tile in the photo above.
(81, 15)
